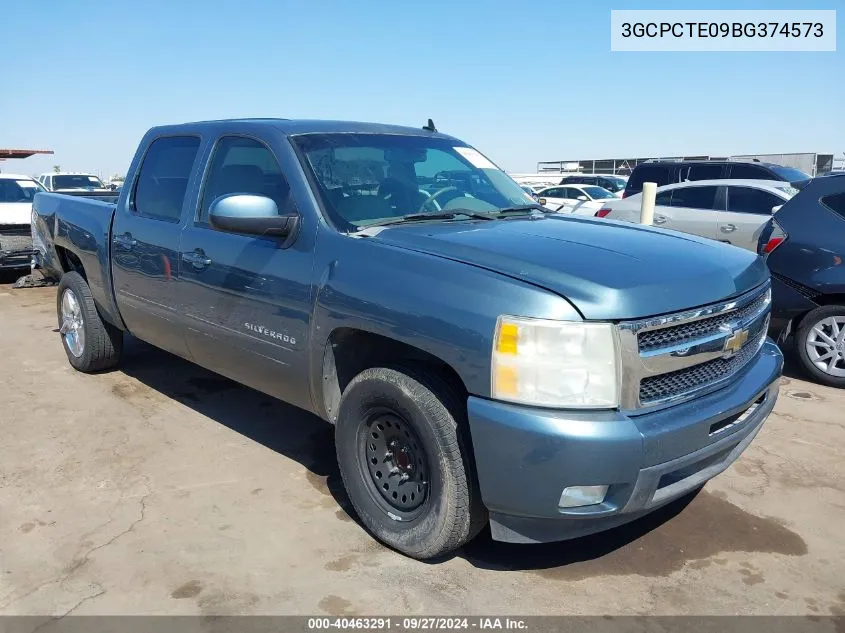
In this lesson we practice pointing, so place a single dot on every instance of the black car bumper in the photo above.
(789, 301)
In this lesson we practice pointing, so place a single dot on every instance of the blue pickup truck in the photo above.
(483, 362)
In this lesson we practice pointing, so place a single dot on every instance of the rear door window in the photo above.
(163, 178)
(750, 200)
(694, 197)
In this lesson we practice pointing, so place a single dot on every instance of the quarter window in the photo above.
(664, 198)
(751, 172)
(704, 172)
(661, 174)
(694, 197)
(244, 165)
(835, 203)
(163, 178)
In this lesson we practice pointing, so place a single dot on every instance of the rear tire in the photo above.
(90, 343)
(405, 464)
(820, 352)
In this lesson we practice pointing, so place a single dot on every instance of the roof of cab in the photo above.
(293, 127)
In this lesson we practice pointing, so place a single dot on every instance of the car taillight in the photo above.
(776, 238)
(624, 194)
(603, 212)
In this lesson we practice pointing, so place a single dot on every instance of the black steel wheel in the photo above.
(396, 461)
(405, 463)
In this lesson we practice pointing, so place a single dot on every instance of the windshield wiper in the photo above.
(421, 217)
(520, 209)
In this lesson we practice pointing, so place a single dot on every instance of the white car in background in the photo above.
(731, 211)
(16, 194)
(575, 199)
(72, 181)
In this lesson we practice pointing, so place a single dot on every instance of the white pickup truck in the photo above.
(63, 182)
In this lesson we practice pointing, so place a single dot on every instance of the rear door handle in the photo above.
(728, 228)
(659, 219)
(197, 259)
(125, 241)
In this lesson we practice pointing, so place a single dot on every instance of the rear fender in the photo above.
(82, 229)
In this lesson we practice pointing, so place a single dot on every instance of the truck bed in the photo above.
(79, 225)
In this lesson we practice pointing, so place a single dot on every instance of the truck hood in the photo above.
(15, 212)
(608, 270)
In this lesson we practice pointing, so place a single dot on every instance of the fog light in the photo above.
(575, 496)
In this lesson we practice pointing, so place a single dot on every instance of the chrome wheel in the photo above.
(826, 345)
(72, 327)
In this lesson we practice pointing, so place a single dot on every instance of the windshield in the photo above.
(789, 174)
(597, 193)
(18, 190)
(82, 181)
(366, 179)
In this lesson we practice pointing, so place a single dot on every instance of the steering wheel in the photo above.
(434, 195)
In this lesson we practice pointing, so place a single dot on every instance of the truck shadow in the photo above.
(283, 428)
(693, 528)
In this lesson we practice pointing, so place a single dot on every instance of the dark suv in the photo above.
(804, 248)
(669, 172)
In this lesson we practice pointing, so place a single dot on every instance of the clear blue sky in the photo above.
(521, 81)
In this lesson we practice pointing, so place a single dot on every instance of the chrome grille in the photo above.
(671, 358)
(679, 334)
(658, 388)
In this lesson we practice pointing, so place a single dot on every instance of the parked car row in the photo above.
(671, 172)
(730, 211)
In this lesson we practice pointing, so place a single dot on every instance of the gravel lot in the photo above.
(163, 488)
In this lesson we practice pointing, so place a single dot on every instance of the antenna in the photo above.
(430, 126)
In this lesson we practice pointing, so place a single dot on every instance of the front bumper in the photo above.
(526, 456)
(15, 251)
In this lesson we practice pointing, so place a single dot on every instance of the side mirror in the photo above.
(251, 214)
(541, 200)
(776, 209)
(582, 198)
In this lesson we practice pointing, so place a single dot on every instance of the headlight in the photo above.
(555, 363)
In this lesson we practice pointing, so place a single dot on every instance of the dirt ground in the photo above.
(161, 488)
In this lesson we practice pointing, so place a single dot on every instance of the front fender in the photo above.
(445, 308)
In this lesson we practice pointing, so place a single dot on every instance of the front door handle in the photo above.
(125, 241)
(728, 228)
(197, 259)
(659, 219)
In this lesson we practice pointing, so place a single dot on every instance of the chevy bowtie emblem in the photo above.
(735, 342)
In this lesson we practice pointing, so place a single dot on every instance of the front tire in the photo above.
(405, 464)
(90, 343)
(820, 345)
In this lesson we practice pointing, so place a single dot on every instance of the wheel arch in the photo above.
(349, 351)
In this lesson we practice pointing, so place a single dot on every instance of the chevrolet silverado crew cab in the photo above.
(482, 361)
